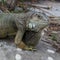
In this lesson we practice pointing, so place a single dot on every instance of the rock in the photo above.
(18, 49)
(0, 11)
(50, 58)
(18, 57)
(50, 51)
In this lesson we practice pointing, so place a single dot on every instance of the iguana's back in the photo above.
(8, 23)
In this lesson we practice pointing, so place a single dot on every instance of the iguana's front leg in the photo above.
(18, 39)
(19, 42)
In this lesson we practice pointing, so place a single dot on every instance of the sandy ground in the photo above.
(8, 51)
(45, 51)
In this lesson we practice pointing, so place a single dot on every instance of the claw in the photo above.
(30, 49)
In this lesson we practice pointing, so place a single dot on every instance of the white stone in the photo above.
(18, 49)
(50, 58)
(42, 33)
(50, 51)
(18, 57)
(45, 29)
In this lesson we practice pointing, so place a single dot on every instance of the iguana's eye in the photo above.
(40, 17)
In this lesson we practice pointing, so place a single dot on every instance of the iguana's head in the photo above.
(37, 22)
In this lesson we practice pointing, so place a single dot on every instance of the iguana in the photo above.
(37, 22)
(17, 24)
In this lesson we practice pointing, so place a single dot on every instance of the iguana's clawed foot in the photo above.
(25, 47)
(30, 49)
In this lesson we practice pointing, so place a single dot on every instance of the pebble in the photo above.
(42, 33)
(50, 58)
(1, 11)
(18, 57)
(50, 51)
(18, 49)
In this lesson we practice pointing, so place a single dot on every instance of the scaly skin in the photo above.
(9, 23)
(18, 24)
(36, 24)
(12, 24)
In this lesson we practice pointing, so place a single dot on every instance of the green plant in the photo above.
(22, 0)
(54, 37)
